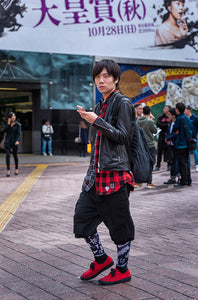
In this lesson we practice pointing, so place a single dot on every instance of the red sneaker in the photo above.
(115, 276)
(96, 269)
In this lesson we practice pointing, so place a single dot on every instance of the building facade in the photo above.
(47, 52)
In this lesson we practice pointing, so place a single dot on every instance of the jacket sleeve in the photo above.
(18, 138)
(44, 129)
(153, 128)
(160, 124)
(171, 136)
(123, 127)
(176, 125)
(6, 128)
(51, 129)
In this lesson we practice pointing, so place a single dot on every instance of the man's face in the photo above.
(171, 117)
(187, 112)
(177, 111)
(105, 83)
(139, 111)
(166, 110)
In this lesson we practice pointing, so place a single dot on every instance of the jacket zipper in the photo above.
(99, 154)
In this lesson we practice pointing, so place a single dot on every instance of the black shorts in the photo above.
(113, 210)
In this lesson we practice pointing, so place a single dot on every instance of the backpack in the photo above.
(137, 149)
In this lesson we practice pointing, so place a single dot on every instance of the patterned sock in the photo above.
(123, 256)
(96, 247)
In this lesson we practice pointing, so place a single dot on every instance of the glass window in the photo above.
(71, 81)
(66, 80)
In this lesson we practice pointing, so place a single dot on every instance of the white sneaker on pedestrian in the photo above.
(150, 186)
(44, 154)
(50, 154)
(196, 168)
(138, 185)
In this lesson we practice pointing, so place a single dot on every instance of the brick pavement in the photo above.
(41, 259)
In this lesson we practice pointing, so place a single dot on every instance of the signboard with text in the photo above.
(136, 29)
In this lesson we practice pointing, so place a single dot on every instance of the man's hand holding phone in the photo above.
(89, 116)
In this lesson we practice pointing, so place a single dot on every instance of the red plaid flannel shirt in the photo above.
(108, 182)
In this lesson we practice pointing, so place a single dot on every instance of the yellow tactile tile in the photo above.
(12, 202)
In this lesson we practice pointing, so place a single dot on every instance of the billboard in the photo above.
(134, 29)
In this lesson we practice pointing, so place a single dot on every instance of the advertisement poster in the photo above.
(135, 29)
(160, 86)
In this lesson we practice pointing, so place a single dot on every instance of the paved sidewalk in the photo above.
(41, 259)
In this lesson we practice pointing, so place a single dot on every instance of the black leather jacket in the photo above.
(13, 134)
(114, 134)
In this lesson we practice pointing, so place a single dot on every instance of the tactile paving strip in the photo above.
(12, 202)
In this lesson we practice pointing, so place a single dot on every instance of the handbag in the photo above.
(46, 137)
(191, 143)
(78, 138)
(89, 148)
(2, 144)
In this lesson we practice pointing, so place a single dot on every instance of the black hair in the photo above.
(167, 106)
(111, 66)
(137, 105)
(181, 107)
(10, 114)
(189, 107)
(146, 110)
(167, 3)
(172, 111)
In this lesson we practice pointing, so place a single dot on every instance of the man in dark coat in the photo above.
(181, 146)
(162, 123)
(106, 187)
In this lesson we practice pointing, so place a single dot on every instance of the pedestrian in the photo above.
(182, 151)
(107, 185)
(139, 113)
(147, 124)
(162, 123)
(138, 110)
(83, 134)
(47, 131)
(170, 140)
(194, 120)
(12, 129)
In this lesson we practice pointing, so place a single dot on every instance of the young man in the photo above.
(106, 187)
(170, 140)
(138, 110)
(147, 125)
(194, 120)
(162, 123)
(182, 151)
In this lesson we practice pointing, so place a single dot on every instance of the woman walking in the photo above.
(83, 133)
(13, 133)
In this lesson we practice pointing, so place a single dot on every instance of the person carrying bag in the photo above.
(47, 131)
